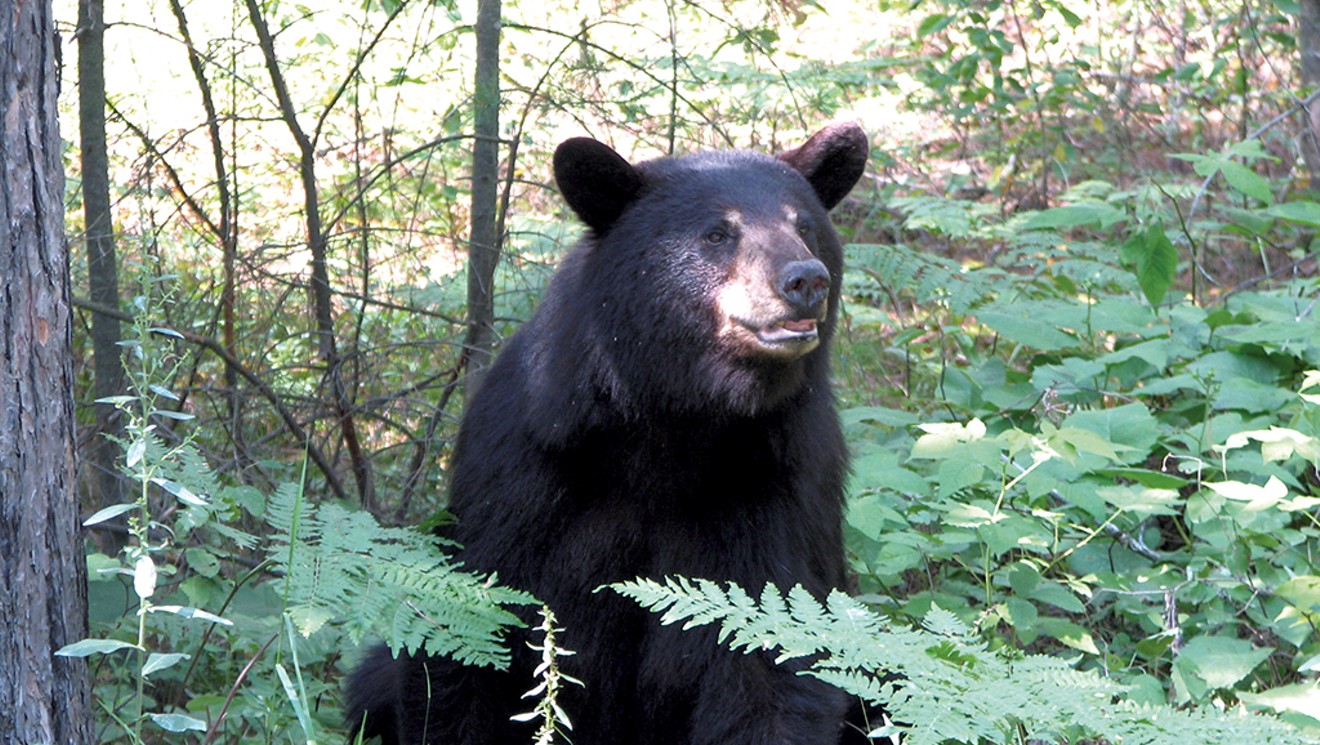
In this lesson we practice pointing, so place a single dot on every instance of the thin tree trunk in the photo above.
(102, 269)
(341, 394)
(1308, 32)
(226, 226)
(43, 584)
(484, 242)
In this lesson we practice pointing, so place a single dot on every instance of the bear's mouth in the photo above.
(786, 333)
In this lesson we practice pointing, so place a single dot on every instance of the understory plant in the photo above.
(227, 616)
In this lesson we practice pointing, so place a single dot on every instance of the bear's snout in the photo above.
(804, 285)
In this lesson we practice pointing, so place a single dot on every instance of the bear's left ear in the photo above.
(595, 181)
(832, 161)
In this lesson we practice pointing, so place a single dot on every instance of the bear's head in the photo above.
(711, 279)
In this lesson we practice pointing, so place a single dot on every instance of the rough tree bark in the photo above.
(43, 588)
(1308, 33)
(484, 239)
(102, 270)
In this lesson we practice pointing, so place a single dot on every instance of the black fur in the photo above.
(650, 421)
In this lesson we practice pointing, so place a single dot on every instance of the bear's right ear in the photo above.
(595, 181)
(832, 161)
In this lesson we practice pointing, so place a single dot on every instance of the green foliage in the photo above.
(953, 687)
(342, 565)
(1132, 482)
(330, 577)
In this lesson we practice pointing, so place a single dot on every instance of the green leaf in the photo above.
(1069, 633)
(191, 613)
(1130, 427)
(933, 25)
(202, 561)
(1304, 213)
(1142, 501)
(942, 437)
(157, 661)
(178, 723)
(184, 494)
(1302, 592)
(88, 647)
(136, 450)
(1256, 497)
(1075, 215)
(877, 415)
(1154, 260)
(1034, 331)
(162, 391)
(1300, 698)
(107, 513)
(1216, 662)
(1246, 181)
(1023, 578)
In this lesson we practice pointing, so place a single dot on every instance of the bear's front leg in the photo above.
(726, 697)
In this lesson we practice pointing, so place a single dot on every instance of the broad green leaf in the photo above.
(933, 24)
(161, 390)
(159, 661)
(878, 415)
(1257, 497)
(1145, 477)
(1277, 443)
(88, 647)
(1246, 181)
(1023, 578)
(1303, 213)
(1154, 260)
(1069, 441)
(108, 513)
(1069, 633)
(941, 436)
(882, 470)
(1034, 331)
(184, 494)
(1058, 596)
(1219, 662)
(1300, 698)
(191, 613)
(1141, 501)
(1075, 215)
(136, 450)
(955, 474)
(1154, 352)
(1302, 591)
(1022, 615)
(1130, 428)
(178, 723)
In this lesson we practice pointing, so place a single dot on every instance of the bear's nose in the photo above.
(804, 284)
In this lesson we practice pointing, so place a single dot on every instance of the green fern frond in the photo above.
(342, 566)
(953, 688)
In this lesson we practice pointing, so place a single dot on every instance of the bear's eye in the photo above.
(803, 228)
(716, 237)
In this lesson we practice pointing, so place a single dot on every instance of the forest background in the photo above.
(1076, 367)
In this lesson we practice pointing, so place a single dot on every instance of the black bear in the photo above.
(666, 411)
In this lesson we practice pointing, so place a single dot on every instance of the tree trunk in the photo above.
(43, 588)
(102, 272)
(1308, 32)
(341, 392)
(484, 242)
